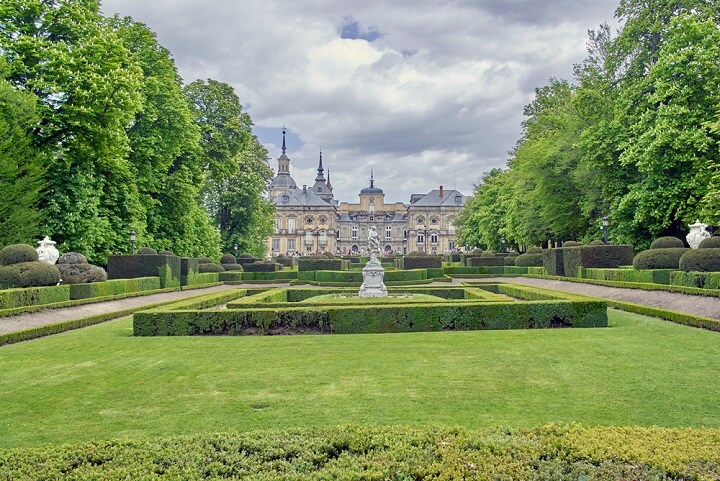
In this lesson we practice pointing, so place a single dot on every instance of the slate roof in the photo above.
(300, 197)
(434, 199)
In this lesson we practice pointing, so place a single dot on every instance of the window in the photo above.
(433, 220)
(405, 234)
(291, 226)
(276, 244)
(337, 235)
(451, 245)
(434, 238)
(451, 226)
(309, 219)
(354, 232)
(308, 238)
(291, 244)
(323, 237)
(420, 220)
(277, 226)
(458, 199)
(388, 233)
(323, 219)
(421, 238)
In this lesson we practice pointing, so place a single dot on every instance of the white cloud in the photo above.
(441, 115)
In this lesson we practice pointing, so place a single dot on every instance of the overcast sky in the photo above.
(426, 92)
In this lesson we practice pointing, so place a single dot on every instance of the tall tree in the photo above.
(88, 92)
(20, 165)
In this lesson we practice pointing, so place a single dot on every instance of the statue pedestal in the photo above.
(373, 275)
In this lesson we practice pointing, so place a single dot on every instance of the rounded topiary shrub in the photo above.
(166, 253)
(710, 243)
(530, 259)
(246, 255)
(667, 242)
(476, 252)
(510, 260)
(328, 255)
(659, 258)
(418, 254)
(72, 258)
(205, 260)
(534, 250)
(596, 242)
(146, 251)
(81, 273)
(228, 259)
(210, 267)
(232, 267)
(701, 260)
(29, 274)
(571, 243)
(16, 253)
(487, 254)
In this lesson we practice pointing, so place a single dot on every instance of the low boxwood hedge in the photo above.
(484, 261)
(654, 276)
(32, 296)
(321, 264)
(703, 280)
(114, 287)
(421, 262)
(551, 452)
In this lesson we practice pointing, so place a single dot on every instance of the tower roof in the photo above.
(372, 189)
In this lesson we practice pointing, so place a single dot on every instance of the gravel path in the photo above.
(671, 301)
(52, 316)
(698, 305)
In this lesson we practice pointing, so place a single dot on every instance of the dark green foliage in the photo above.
(205, 260)
(659, 258)
(16, 253)
(166, 253)
(653, 276)
(607, 256)
(552, 261)
(321, 264)
(534, 250)
(129, 267)
(232, 267)
(485, 260)
(703, 280)
(418, 254)
(145, 251)
(667, 242)
(210, 267)
(265, 266)
(188, 265)
(29, 274)
(81, 273)
(487, 254)
(114, 287)
(228, 259)
(284, 261)
(701, 260)
(530, 259)
(572, 244)
(31, 296)
(710, 243)
(596, 242)
(72, 258)
(421, 262)
(510, 260)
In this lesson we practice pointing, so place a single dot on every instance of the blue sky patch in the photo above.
(351, 28)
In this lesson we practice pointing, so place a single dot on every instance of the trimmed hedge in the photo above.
(484, 261)
(262, 266)
(130, 267)
(422, 262)
(551, 452)
(114, 287)
(529, 259)
(29, 274)
(667, 242)
(606, 256)
(206, 267)
(710, 243)
(552, 261)
(319, 264)
(285, 261)
(701, 260)
(653, 276)
(659, 258)
(32, 296)
(703, 280)
(17, 253)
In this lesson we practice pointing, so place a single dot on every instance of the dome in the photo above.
(283, 181)
(371, 190)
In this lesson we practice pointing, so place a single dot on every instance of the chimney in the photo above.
(441, 191)
(304, 188)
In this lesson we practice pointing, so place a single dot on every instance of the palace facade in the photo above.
(309, 219)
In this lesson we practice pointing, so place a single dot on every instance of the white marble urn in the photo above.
(47, 251)
(698, 232)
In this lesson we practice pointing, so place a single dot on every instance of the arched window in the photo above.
(388, 233)
(354, 232)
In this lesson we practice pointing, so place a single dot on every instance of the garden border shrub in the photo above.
(606, 256)
(114, 287)
(33, 296)
(129, 267)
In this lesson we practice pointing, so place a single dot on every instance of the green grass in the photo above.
(101, 382)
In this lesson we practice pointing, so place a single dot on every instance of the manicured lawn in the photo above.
(101, 382)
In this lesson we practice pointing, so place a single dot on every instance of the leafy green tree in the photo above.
(20, 165)
(237, 171)
(88, 91)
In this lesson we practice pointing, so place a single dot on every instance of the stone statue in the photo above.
(373, 243)
(698, 232)
(47, 251)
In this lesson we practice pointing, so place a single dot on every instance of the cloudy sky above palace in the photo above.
(426, 92)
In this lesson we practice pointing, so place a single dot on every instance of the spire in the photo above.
(283, 145)
(372, 179)
(320, 167)
(329, 185)
(320, 176)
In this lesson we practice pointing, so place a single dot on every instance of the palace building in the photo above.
(311, 220)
